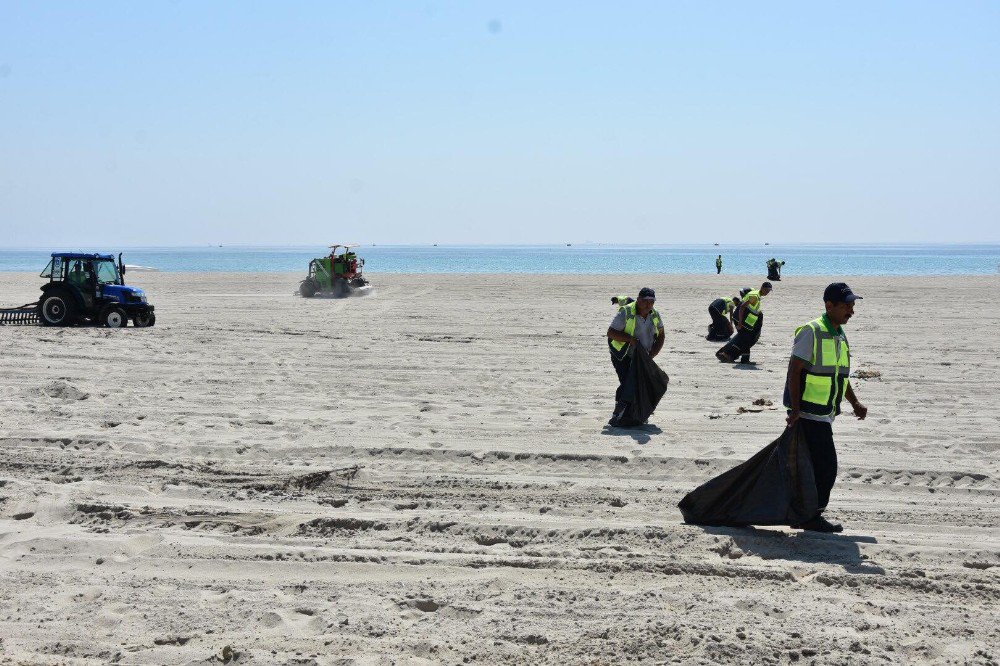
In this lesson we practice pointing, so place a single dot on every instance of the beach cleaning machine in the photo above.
(336, 275)
(84, 288)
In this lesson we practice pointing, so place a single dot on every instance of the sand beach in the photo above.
(423, 476)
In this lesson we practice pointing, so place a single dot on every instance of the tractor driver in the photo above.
(76, 276)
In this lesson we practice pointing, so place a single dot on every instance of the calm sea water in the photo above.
(800, 259)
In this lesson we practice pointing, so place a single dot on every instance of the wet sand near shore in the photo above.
(423, 476)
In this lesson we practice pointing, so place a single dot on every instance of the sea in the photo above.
(550, 259)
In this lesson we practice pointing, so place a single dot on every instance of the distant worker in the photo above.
(774, 269)
(718, 265)
(621, 300)
(722, 311)
(750, 321)
(817, 381)
(636, 323)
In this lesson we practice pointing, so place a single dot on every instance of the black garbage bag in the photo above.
(775, 487)
(720, 329)
(642, 391)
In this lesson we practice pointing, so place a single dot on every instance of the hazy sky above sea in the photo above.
(181, 123)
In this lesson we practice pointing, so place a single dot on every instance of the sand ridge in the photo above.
(166, 493)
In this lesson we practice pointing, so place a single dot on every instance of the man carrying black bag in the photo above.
(789, 481)
(637, 324)
(818, 379)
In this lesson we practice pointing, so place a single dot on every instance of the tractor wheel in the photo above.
(307, 288)
(57, 310)
(113, 317)
(144, 320)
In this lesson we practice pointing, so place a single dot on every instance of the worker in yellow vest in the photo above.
(749, 323)
(637, 323)
(621, 300)
(722, 311)
(817, 381)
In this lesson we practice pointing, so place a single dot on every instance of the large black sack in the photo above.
(775, 487)
(644, 386)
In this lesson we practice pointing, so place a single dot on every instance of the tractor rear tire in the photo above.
(57, 309)
(307, 289)
(113, 317)
(144, 320)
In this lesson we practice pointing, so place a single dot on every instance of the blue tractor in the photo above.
(91, 287)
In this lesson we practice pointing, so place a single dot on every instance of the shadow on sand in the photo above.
(751, 365)
(811, 547)
(641, 434)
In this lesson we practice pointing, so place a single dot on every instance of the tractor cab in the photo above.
(346, 264)
(87, 273)
(92, 287)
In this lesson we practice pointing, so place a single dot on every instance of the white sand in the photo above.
(155, 503)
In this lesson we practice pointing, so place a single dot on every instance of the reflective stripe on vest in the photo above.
(826, 376)
(630, 324)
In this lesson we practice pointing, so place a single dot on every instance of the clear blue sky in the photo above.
(182, 123)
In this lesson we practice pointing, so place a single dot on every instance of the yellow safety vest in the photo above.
(826, 375)
(753, 314)
(630, 317)
(729, 306)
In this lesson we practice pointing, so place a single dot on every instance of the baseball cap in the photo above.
(839, 292)
(646, 292)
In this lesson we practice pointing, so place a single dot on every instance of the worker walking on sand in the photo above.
(817, 381)
(722, 311)
(636, 323)
(718, 265)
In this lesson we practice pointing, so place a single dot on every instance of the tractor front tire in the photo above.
(57, 309)
(113, 317)
(307, 289)
(144, 320)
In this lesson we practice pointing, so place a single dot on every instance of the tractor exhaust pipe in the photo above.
(121, 267)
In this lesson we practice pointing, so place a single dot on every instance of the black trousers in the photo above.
(819, 436)
(744, 341)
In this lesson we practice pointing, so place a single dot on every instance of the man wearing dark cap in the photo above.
(817, 381)
(636, 323)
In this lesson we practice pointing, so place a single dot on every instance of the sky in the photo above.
(161, 123)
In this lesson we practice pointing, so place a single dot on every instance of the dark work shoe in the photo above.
(820, 524)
